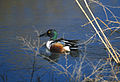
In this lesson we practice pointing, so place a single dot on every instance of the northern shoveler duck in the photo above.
(61, 45)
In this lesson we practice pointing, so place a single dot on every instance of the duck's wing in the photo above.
(67, 41)
(71, 43)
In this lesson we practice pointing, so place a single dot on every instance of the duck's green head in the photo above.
(50, 33)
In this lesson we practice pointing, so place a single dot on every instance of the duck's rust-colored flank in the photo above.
(57, 48)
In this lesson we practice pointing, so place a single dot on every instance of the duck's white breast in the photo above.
(48, 44)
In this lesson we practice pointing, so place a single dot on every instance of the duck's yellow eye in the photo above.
(48, 31)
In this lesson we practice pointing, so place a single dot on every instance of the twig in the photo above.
(106, 40)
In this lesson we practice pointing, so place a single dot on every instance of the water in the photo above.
(18, 18)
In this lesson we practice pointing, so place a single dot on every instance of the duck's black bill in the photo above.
(44, 34)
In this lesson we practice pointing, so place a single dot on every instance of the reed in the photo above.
(104, 39)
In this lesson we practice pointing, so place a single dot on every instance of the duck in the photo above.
(60, 45)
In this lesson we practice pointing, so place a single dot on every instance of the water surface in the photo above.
(21, 18)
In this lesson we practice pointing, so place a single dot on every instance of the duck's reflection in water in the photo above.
(75, 53)
(53, 58)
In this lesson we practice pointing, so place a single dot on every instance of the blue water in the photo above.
(22, 18)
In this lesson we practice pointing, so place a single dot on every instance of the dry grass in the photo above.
(77, 74)
(100, 71)
(101, 35)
